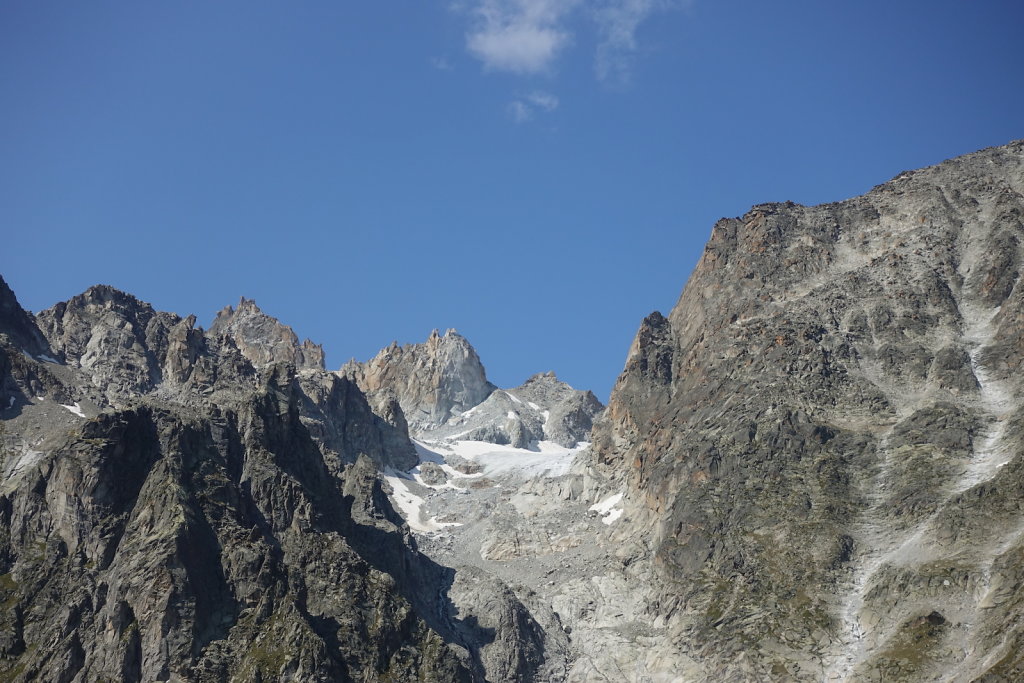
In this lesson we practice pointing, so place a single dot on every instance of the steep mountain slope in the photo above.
(431, 381)
(825, 436)
(175, 507)
(810, 470)
(541, 409)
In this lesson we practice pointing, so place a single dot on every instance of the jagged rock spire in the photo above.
(430, 380)
(263, 339)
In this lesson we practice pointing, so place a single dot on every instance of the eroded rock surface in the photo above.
(824, 436)
(810, 470)
(431, 381)
(176, 506)
(264, 340)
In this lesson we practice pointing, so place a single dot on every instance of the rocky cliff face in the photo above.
(176, 506)
(541, 409)
(826, 436)
(431, 381)
(264, 340)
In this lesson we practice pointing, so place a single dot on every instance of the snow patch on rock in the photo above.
(608, 508)
(409, 505)
(75, 409)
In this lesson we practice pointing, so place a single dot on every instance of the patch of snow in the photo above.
(547, 416)
(533, 405)
(47, 359)
(604, 506)
(76, 409)
(11, 403)
(548, 460)
(607, 508)
(513, 397)
(427, 452)
(409, 504)
(612, 516)
(511, 415)
(40, 398)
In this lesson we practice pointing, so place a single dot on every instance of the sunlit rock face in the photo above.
(811, 469)
(825, 435)
(176, 507)
(432, 381)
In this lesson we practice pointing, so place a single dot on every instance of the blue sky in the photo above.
(539, 174)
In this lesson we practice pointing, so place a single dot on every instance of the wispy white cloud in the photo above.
(617, 24)
(523, 108)
(527, 36)
(520, 111)
(542, 100)
(441, 64)
(521, 36)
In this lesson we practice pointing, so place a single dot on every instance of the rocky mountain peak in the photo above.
(432, 380)
(541, 377)
(832, 411)
(443, 392)
(263, 339)
(110, 334)
(19, 325)
(99, 300)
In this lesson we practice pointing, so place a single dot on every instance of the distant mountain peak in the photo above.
(432, 380)
(443, 390)
(263, 339)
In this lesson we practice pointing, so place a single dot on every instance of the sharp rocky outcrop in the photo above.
(821, 444)
(431, 381)
(176, 506)
(809, 470)
(263, 339)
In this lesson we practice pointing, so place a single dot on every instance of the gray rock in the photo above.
(432, 474)
(264, 340)
(19, 326)
(431, 381)
(541, 409)
(826, 434)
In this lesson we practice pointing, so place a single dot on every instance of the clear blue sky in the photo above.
(539, 174)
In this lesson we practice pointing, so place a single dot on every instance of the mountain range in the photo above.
(809, 470)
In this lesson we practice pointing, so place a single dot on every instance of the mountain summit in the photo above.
(263, 339)
(432, 380)
(810, 469)
(821, 444)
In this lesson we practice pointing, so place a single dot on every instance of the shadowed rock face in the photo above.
(151, 546)
(18, 325)
(172, 509)
(826, 435)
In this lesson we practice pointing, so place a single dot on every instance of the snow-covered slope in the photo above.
(541, 409)
(469, 434)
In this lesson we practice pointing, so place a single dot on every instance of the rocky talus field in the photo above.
(809, 470)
